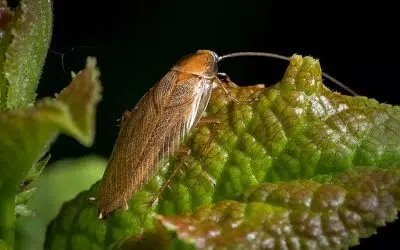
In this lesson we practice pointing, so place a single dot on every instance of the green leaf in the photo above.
(27, 133)
(296, 214)
(294, 132)
(25, 48)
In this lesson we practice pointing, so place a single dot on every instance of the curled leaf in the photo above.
(294, 132)
(27, 133)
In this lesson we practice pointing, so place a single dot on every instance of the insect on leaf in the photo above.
(300, 165)
(155, 128)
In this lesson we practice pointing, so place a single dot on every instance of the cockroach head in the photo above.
(203, 63)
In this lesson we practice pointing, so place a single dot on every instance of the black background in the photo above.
(136, 43)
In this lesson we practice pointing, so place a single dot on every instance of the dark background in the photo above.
(136, 43)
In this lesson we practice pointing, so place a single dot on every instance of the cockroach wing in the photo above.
(151, 132)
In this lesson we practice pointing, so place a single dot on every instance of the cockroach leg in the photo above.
(221, 84)
(91, 201)
(167, 182)
(230, 96)
(182, 163)
(214, 123)
(210, 179)
(257, 86)
(209, 120)
(183, 152)
(214, 131)
(126, 206)
(223, 77)
(101, 216)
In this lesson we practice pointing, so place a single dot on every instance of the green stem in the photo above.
(7, 215)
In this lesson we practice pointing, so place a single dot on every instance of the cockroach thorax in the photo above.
(203, 63)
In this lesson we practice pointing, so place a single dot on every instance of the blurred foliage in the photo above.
(53, 188)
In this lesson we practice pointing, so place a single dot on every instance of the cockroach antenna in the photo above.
(72, 49)
(286, 58)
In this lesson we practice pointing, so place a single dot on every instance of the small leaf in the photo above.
(295, 133)
(27, 133)
(35, 171)
(24, 196)
(23, 210)
(25, 55)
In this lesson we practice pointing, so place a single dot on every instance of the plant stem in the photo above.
(7, 214)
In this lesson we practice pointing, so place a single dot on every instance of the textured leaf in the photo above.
(30, 38)
(27, 133)
(292, 133)
(296, 214)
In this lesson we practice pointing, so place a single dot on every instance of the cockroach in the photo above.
(157, 125)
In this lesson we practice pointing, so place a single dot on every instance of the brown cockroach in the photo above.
(159, 122)
(155, 127)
